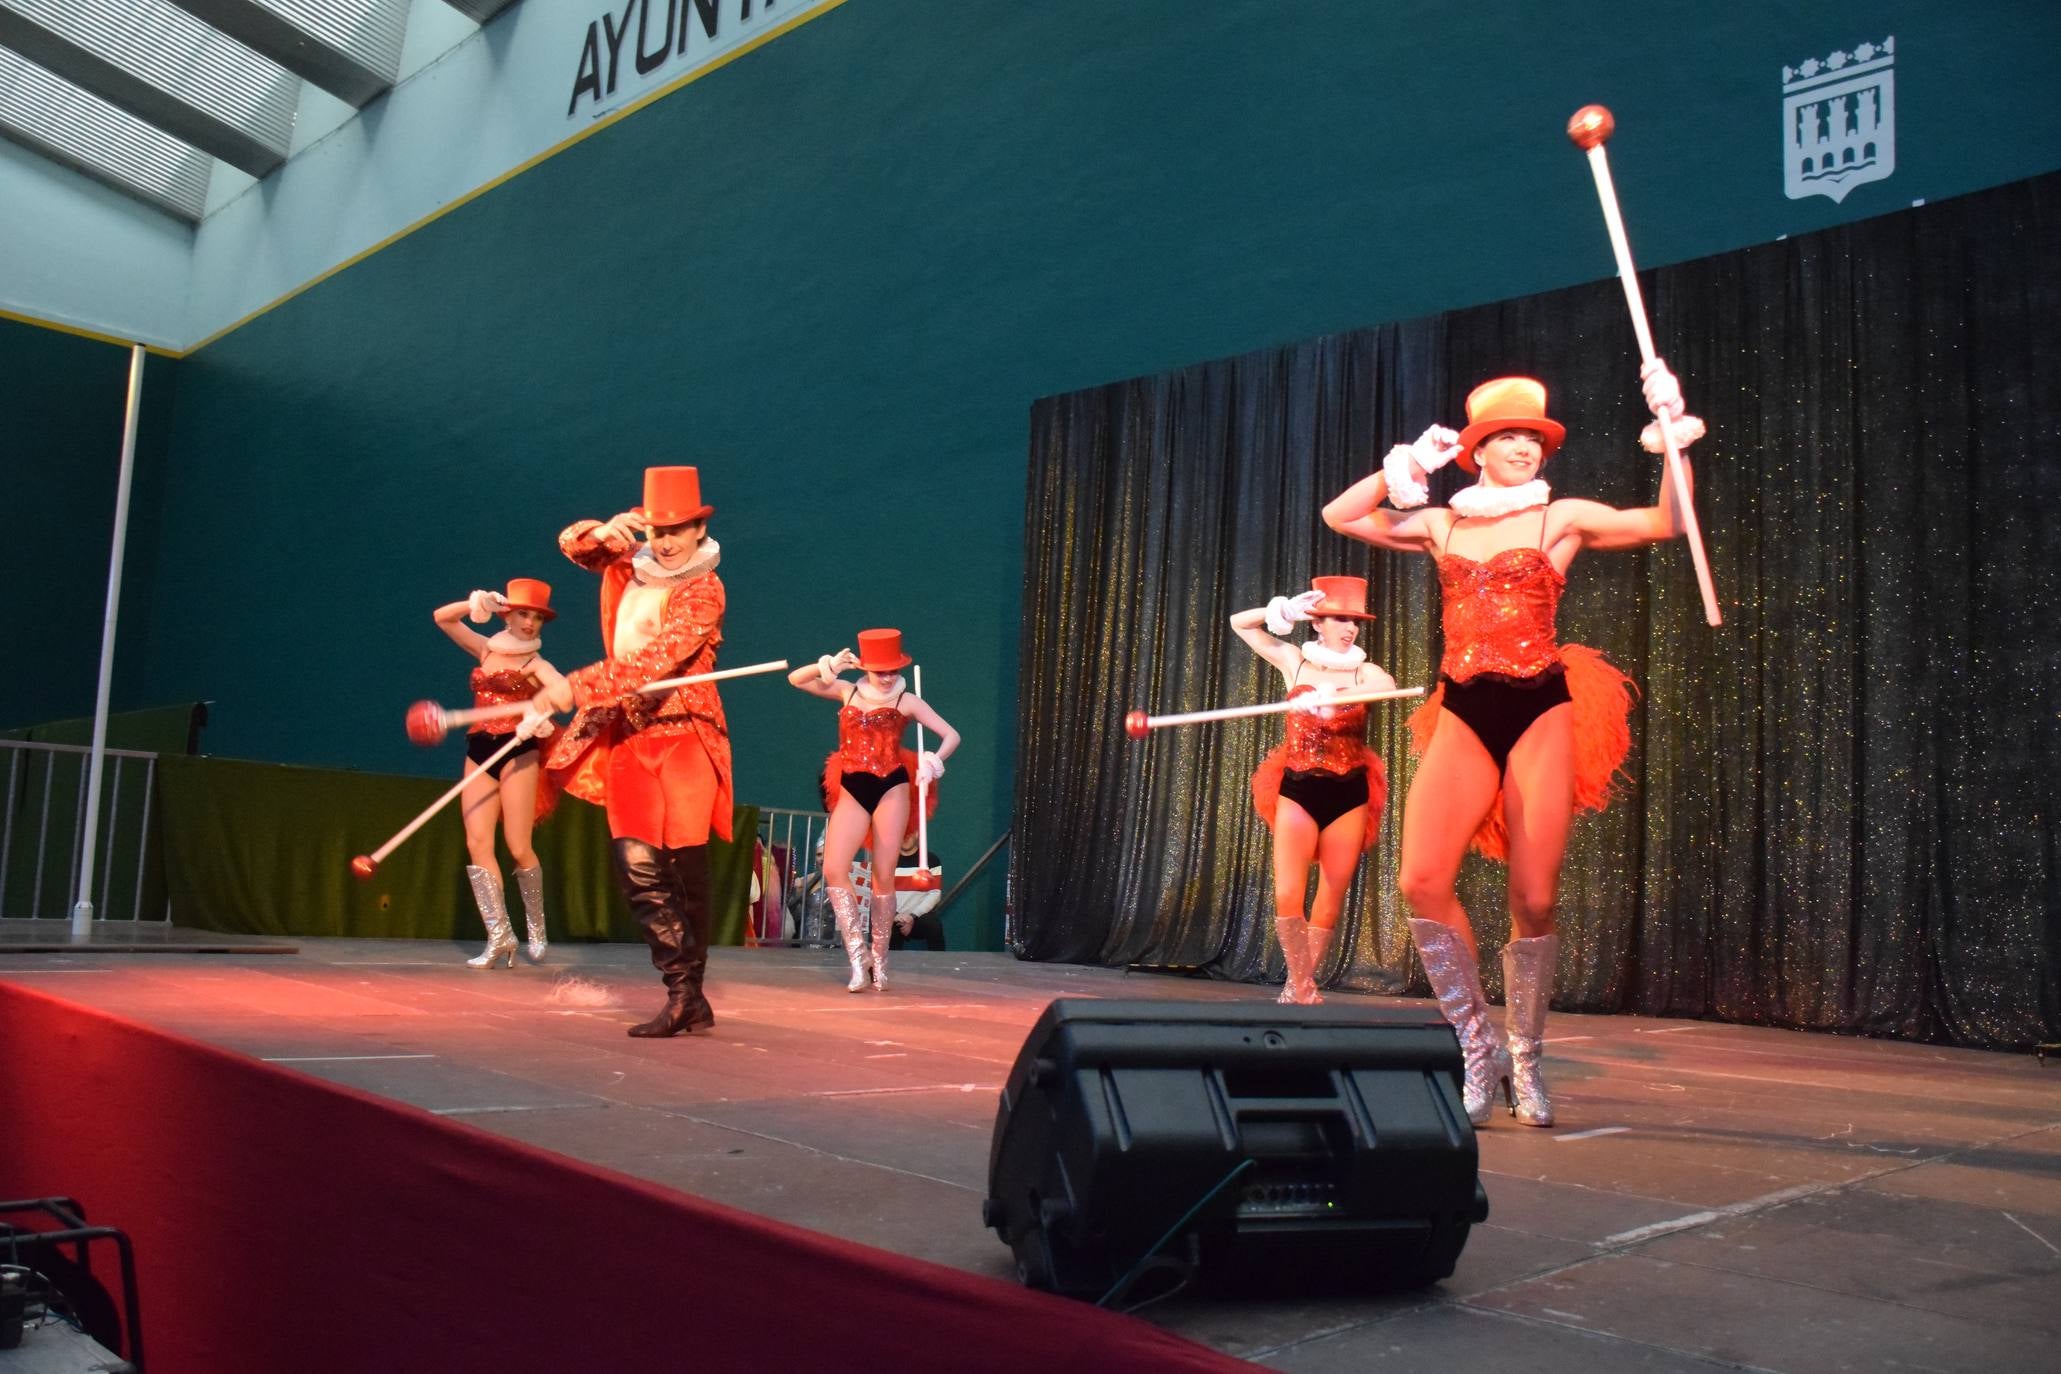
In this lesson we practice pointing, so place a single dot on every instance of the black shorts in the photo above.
(480, 747)
(1500, 709)
(870, 789)
(1326, 796)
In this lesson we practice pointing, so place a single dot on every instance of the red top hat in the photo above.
(528, 594)
(880, 651)
(1343, 596)
(1507, 403)
(672, 496)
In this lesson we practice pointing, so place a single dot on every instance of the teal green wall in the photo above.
(60, 453)
(836, 273)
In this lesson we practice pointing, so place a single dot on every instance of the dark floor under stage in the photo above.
(1714, 1196)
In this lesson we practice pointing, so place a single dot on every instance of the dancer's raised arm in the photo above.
(1357, 512)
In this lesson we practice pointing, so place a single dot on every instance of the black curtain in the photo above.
(1840, 806)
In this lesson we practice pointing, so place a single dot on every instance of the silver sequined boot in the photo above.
(530, 882)
(1528, 967)
(1319, 943)
(1456, 978)
(883, 932)
(486, 890)
(844, 903)
(1295, 949)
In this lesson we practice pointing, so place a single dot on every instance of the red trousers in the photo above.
(661, 790)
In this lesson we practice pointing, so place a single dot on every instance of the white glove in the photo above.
(1314, 702)
(1664, 398)
(535, 723)
(483, 606)
(1686, 430)
(1435, 447)
(1663, 392)
(929, 768)
(827, 667)
(1284, 612)
(1407, 488)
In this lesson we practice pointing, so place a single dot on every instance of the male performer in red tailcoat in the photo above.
(660, 764)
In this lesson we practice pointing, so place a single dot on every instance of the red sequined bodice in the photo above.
(870, 740)
(1333, 740)
(502, 687)
(1499, 614)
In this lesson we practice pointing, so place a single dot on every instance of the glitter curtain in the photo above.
(1840, 806)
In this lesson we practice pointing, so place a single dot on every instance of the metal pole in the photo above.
(922, 790)
(42, 837)
(114, 819)
(7, 835)
(973, 872)
(143, 841)
(82, 910)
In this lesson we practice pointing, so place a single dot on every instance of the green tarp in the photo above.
(155, 729)
(265, 849)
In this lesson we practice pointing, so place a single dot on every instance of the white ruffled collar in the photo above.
(893, 694)
(1352, 656)
(644, 565)
(1482, 500)
(509, 643)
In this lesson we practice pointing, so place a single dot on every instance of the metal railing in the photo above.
(35, 805)
(791, 908)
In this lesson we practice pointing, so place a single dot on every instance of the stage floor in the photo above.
(1714, 1197)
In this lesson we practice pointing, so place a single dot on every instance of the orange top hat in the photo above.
(672, 496)
(880, 651)
(1343, 596)
(1507, 403)
(528, 594)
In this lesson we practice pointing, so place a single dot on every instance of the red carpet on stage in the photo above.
(282, 1223)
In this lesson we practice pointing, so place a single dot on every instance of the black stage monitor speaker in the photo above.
(1261, 1145)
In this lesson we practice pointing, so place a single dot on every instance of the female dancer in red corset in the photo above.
(511, 669)
(1322, 790)
(868, 784)
(1522, 729)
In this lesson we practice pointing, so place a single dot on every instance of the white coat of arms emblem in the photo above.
(1839, 121)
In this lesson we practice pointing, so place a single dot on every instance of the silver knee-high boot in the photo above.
(883, 932)
(1528, 967)
(1318, 943)
(486, 890)
(844, 904)
(530, 881)
(1456, 978)
(1294, 932)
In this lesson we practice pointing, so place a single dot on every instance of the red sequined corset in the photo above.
(1499, 614)
(870, 741)
(1333, 740)
(504, 687)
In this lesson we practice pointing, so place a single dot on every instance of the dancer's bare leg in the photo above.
(518, 797)
(890, 823)
(1454, 788)
(1295, 848)
(1338, 858)
(1538, 807)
